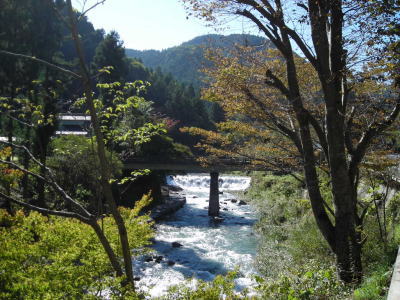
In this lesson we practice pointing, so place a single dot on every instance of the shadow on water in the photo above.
(187, 261)
(197, 217)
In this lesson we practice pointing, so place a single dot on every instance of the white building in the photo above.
(76, 124)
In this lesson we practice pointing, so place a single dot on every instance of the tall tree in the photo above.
(111, 53)
(330, 39)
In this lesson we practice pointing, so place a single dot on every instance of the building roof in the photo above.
(74, 117)
(63, 132)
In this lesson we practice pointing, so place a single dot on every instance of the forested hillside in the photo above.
(174, 101)
(185, 61)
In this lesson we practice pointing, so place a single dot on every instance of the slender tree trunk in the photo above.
(25, 163)
(10, 133)
(104, 166)
(40, 201)
(107, 247)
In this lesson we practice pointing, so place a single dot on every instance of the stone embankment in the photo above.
(173, 199)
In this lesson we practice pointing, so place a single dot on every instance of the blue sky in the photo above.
(149, 24)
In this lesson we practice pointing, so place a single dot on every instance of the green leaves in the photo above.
(58, 258)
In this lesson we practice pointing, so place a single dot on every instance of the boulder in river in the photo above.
(174, 188)
(158, 259)
(170, 263)
(241, 202)
(148, 259)
(176, 245)
(232, 200)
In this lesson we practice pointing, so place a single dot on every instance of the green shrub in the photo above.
(75, 163)
(375, 284)
(222, 287)
(293, 250)
(311, 281)
(57, 258)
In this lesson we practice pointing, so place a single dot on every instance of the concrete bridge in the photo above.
(193, 166)
(190, 164)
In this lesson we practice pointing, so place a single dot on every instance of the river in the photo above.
(203, 248)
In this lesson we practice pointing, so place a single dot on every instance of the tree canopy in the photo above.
(324, 89)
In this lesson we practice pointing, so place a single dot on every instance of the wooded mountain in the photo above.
(185, 60)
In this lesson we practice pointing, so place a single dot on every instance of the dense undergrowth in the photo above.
(293, 249)
(57, 258)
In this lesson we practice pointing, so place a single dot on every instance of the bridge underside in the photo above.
(191, 167)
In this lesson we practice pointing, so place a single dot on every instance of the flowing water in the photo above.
(208, 248)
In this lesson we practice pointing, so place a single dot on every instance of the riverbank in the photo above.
(293, 250)
(168, 206)
(172, 199)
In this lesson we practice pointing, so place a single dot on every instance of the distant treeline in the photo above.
(33, 28)
(186, 61)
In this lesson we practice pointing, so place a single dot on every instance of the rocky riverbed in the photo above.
(190, 244)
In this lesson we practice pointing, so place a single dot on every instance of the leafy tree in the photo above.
(73, 160)
(78, 211)
(309, 104)
(32, 28)
(110, 52)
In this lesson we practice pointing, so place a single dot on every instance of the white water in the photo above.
(208, 248)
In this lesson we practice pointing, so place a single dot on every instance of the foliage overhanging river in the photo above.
(208, 248)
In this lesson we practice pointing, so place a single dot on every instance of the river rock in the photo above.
(232, 200)
(136, 278)
(174, 188)
(159, 259)
(176, 245)
(224, 208)
(170, 263)
(241, 202)
(148, 259)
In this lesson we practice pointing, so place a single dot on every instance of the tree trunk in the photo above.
(40, 201)
(107, 248)
(25, 163)
(104, 166)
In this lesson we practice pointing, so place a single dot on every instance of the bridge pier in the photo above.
(213, 207)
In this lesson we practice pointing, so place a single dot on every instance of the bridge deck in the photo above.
(191, 165)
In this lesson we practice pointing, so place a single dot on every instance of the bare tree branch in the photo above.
(90, 8)
(47, 211)
(40, 61)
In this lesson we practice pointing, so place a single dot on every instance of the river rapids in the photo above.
(188, 244)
